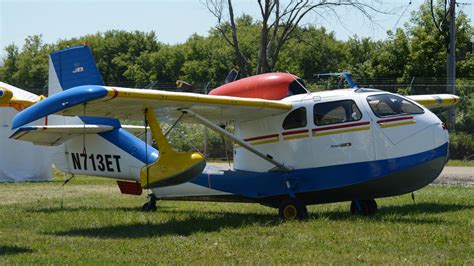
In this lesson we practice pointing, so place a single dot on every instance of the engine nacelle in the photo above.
(270, 86)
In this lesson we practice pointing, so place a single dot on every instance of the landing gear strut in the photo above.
(291, 209)
(150, 206)
(363, 207)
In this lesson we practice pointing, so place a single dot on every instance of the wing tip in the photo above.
(58, 102)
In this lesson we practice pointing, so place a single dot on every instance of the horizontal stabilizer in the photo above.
(56, 135)
(434, 101)
(135, 130)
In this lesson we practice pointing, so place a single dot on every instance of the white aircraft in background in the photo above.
(292, 147)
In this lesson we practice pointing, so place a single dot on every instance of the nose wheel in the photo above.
(292, 209)
(364, 207)
(150, 206)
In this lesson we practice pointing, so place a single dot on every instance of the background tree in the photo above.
(428, 46)
(278, 22)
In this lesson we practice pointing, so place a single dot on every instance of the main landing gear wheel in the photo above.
(150, 206)
(291, 209)
(363, 207)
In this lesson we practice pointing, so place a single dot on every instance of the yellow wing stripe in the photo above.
(436, 100)
(194, 98)
(9, 100)
(430, 102)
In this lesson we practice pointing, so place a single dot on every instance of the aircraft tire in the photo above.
(292, 209)
(363, 207)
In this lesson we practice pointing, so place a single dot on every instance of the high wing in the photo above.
(11, 96)
(434, 101)
(125, 103)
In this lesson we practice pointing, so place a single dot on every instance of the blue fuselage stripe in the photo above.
(123, 139)
(131, 145)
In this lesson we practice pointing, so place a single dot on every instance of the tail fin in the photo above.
(91, 145)
(72, 67)
(69, 68)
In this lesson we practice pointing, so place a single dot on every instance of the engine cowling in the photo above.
(269, 86)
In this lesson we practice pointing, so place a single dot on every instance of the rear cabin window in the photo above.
(295, 119)
(389, 105)
(336, 112)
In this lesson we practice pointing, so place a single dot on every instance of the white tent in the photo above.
(19, 160)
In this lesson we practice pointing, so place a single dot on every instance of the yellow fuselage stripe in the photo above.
(296, 137)
(383, 125)
(340, 131)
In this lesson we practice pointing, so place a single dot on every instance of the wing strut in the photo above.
(279, 166)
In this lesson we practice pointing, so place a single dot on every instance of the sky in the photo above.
(172, 20)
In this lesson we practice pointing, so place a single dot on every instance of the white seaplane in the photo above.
(292, 147)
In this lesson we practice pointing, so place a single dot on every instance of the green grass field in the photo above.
(461, 163)
(89, 222)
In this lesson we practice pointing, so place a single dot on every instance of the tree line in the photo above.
(411, 60)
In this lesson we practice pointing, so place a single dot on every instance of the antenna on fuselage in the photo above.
(347, 76)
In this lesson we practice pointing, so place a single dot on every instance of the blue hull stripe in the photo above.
(254, 185)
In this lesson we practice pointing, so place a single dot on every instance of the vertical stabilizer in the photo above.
(69, 68)
(72, 67)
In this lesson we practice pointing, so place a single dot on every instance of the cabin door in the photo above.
(341, 133)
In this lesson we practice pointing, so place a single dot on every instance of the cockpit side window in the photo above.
(295, 119)
(297, 87)
(384, 105)
(336, 112)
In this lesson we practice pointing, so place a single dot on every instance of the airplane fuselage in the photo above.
(342, 145)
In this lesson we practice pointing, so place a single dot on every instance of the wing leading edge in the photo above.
(125, 103)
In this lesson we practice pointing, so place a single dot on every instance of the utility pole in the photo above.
(206, 134)
(451, 75)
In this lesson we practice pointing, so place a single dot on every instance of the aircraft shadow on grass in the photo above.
(92, 208)
(426, 207)
(211, 221)
(13, 250)
(405, 213)
(202, 222)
